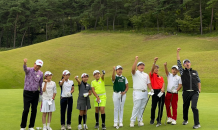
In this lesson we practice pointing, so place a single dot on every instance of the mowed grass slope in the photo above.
(85, 52)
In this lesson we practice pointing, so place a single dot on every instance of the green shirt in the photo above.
(99, 86)
(119, 84)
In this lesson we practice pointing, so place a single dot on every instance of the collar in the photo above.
(66, 81)
(140, 71)
(118, 75)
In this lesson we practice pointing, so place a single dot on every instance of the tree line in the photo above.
(25, 22)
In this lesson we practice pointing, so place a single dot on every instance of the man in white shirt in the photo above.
(171, 99)
(140, 95)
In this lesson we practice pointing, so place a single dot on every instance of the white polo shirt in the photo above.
(140, 81)
(50, 90)
(173, 81)
(66, 87)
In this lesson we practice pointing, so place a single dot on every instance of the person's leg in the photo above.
(186, 104)
(44, 119)
(116, 106)
(194, 107)
(160, 107)
(26, 103)
(84, 116)
(49, 119)
(174, 106)
(69, 110)
(63, 110)
(155, 99)
(97, 114)
(142, 107)
(103, 116)
(167, 104)
(34, 103)
(122, 108)
(80, 116)
(135, 111)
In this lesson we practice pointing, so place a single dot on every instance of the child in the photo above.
(98, 89)
(48, 96)
(191, 88)
(83, 102)
(67, 88)
(171, 99)
(120, 88)
(157, 83)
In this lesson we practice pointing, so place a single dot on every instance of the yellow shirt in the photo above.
(99, 86)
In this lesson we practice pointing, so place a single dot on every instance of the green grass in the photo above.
(85, 52)
(12, 107)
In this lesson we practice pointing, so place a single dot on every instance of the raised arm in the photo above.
(103, 73)
(26, 70)
(179, 62)
(153, 66)
(134, 65)
(113, 74)
(166, 70)
(77, 79)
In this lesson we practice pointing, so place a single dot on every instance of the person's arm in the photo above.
(44, 84)
(95, 94)
(103, 73)
(40, 84)
(163, 88)
(26, 70)
(153, 66)
(199, 87)
(55, 92)
(180, 86)
(127, 87)
(62, 82)
(90, 91)
(166, 70)
(77, 79)
(113, 74)
(179, 62)
(199, 82)
(134, 65)
(149, 86)
(72, 89)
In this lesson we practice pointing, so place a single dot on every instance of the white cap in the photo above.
(139, 63)
(84, 74)
(118, 67)
(175, 66)
(96, 71)
(66, 72)
(186, 60)
(47, 73)
(39, 62)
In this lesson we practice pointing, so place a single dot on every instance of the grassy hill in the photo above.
(85, 52)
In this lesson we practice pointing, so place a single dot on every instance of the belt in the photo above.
(140, 90)
(189, 90)
(31, 91)
(101, 94)
(171, 92)
(118, 92)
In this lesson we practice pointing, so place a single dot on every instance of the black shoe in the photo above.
(152, 122)
(96, 126)
(103, 126)
(196, 126)
(185, 122)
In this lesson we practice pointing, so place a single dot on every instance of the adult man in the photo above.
(191, 88)
(33, 81)
(140, 95)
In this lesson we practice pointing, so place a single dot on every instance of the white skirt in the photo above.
(47, 108)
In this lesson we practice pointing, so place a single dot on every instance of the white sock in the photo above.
(48, 125)
(44, 125)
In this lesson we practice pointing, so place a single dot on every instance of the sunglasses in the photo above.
(186, 62)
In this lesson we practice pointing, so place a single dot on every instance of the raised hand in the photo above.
(45, 80)
(76, 77)
(136, 58)
(178, 49)
(165, 64)
(114, 68)
(25, 60)
(155, 59)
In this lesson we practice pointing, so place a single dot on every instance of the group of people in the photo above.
(41, 88)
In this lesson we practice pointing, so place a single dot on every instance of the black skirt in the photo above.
(83, 103)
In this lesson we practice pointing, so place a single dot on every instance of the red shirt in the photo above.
(156, 81)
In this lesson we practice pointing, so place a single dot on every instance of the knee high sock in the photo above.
(96, 117)
(103, 118)
(84, 119)
(80, 119)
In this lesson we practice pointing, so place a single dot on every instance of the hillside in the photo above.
(85, 52)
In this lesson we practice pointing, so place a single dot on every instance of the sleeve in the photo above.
(40, 83)
(26, 69)
(148, 80)
(55, 88)
(169, 74)
(180, 80)
(150, 75)
(198, 79)
(180, 67)
(126, 81)
(72, 83)
(162, 79)
(90, 88)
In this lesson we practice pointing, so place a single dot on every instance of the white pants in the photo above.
(118, 106)
(138, 108)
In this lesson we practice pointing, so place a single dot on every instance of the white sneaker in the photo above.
(115, 125)
(121, 124)
(22, 128)
(44, 128)
(69, 127)
(80, 127)
(31, 129)
(132, 124)
(173, 122)
(85, 126)
(63, 127)
(140, 123)
(49, 128)
(169, 120)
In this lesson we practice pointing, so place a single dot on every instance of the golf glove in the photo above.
(85, 94)
(151, 92)
(50, 101)
(68, 94)
(40, 98)
(174, 91)
(103, 71)
(99, 101)
(160, 94)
